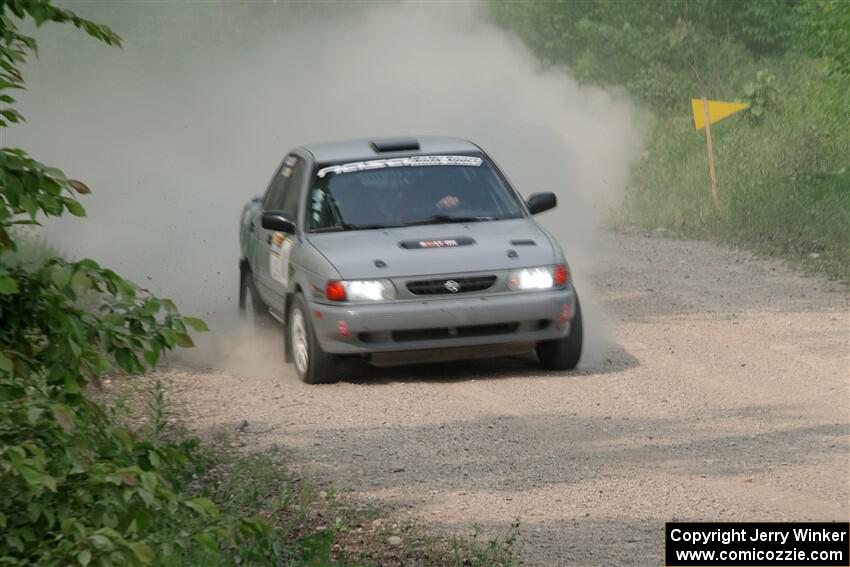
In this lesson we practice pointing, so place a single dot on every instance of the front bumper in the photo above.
(520, 317)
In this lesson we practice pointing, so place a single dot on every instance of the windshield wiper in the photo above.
(444, 219)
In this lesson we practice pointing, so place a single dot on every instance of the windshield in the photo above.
(408, 191)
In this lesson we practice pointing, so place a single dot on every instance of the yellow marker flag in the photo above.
(717, 111)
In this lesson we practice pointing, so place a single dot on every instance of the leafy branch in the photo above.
(75, 487)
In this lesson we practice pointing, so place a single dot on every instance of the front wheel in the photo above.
(564, 353)
(312, 364)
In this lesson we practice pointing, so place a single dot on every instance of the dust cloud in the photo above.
(177, 130)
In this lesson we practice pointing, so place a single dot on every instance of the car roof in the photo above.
(363, 148)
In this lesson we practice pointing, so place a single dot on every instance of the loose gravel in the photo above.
(719, 390)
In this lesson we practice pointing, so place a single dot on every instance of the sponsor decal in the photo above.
(412, 161)
(288, 165)
(437, 243)
(279, 258)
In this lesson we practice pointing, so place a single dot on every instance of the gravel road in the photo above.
(724, 395)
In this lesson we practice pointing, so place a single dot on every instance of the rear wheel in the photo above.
(564, 353)
(312, 364)
(251, 308)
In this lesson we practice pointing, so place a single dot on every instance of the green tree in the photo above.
(662, 51)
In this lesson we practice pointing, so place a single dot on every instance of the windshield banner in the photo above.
(412, 161)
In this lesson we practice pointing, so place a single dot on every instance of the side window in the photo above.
(294, 185)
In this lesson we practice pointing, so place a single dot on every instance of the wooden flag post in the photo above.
(711, 174)
(712, 111)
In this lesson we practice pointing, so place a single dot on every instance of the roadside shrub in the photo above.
(783, 179)
(761, 94)
(76, 488)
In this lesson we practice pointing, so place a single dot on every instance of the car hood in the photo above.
(436, 249)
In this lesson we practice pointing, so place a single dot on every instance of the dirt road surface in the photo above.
(725, 397)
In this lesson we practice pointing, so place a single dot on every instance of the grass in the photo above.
(311, 526)
(314, 526)
(317, 527)
(783, 182)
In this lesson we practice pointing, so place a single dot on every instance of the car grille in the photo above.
(450, 285)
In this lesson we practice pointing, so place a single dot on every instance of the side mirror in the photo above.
(278, 221)
(540, 202)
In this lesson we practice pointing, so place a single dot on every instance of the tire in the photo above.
(251, 307)
(564, 353)
(312, 364)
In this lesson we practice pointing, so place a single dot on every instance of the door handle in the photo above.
(269, 239)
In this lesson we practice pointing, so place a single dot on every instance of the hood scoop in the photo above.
(437, 243)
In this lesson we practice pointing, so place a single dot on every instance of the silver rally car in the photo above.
(401, 251)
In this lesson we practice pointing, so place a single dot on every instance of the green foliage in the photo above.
(75, 488)
(314, 528)
(258, 484)
(48, 337)
(761, 94)
(159, 412)
(78, 490)
(783, 181)
(764, 26)
(15, 46)
(664, 52)
(782, 170)
(496, 552)
(825, 32)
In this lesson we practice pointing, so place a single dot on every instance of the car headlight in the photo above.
(542, 277)
(360, 290)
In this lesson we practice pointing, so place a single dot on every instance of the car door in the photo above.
(276, 247)
(272, 201)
